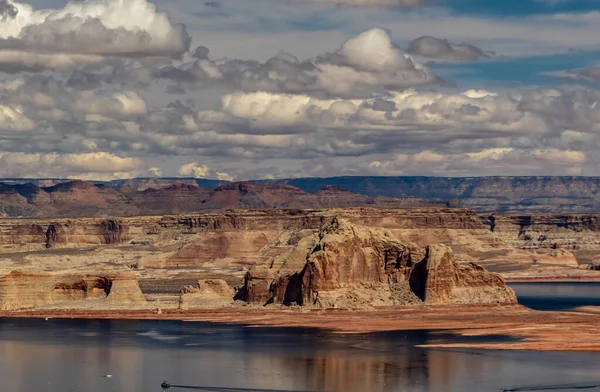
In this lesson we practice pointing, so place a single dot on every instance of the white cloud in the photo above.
(365, 64)
(494, 161)
(48, 94)
(193, 169)
(83, 33)
(224, 176)
(436, 48)
(155, 172)
(95, 165)
(13, 119)
(470, 112)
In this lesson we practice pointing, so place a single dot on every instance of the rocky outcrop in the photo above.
(438, 279)
(551, 238)
(51, 235)
(113, 231)
(545, 230)
(104, 232)
(31, 290)
(208, 293)
(257, 287)
(353, 265)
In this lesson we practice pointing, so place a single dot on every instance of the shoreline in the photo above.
(532, 330)
(552, 280)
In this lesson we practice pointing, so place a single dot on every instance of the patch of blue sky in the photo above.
(518, 7)
(522, 71)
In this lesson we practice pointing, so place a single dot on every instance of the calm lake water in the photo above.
(557, 296)
(72, 355)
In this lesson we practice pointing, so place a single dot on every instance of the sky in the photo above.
(253, 89)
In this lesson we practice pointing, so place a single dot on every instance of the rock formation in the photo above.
(31, 290)
(107, 231)
(208, 293)
(332, 257)
(353, 265)
(438, 280)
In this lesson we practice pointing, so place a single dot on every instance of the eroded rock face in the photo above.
(105, 232)
(438, 279)
(257, 286)
(28, 290)
(208, 293)
(353, 265)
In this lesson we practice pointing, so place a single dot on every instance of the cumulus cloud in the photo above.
(492, 161)
(590, 74)
(7, 10)
(224, 176)
(201, 52)
(85, 33)
(48, 94)
(155, 172)
(42, 115)
(87, 165)
(359, 109)
(364, 65)
(437, 48)
(193, 169)
(13, 119)
(467, 112)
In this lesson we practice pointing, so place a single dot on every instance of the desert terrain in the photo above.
(419, 266)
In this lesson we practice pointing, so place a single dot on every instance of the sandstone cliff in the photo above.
(353, 265)
(208, 293)
(438, 279)
(553, 238)
(272, 248)
(62, 233)
(31, 290)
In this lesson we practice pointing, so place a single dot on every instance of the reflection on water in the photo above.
(557, 295)
(55, 355)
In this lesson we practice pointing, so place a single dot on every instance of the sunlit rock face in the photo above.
(356, 266)
(95, 291)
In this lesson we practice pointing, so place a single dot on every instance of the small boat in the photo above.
(165, 385)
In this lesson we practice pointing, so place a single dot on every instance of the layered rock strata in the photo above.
(353, 265)
(86, 199)
(208, 293)
(31, 290)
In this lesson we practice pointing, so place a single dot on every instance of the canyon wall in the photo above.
(331, 257)
(355, 266)
(86, 199)
(469, 234)
(33, 234)
(577, 234)
(37, 290)
(521, 194)
(525, 194)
